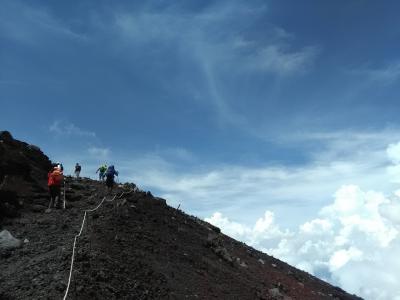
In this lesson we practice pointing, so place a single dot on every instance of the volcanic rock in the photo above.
(7, 241)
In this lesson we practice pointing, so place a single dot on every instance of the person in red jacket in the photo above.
(55, 179)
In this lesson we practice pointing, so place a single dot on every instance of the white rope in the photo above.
(120, 196)
(125, 193)
(79, 234)
(73, 247)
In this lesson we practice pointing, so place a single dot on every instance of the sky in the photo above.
(275, 120)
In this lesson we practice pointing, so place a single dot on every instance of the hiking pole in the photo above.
(64, 194)
(51, 200)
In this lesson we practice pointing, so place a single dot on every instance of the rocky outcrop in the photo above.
(23, 173)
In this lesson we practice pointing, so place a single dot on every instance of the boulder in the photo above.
(7, 241)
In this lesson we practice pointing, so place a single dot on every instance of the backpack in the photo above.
(57, 177)
(109, 173)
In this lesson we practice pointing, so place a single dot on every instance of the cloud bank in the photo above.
(353, 242)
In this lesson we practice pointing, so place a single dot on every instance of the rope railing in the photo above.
(74, 245)
(80, 233)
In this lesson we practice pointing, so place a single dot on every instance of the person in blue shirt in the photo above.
(110, 173)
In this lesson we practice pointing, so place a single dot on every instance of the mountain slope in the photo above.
(137, 247)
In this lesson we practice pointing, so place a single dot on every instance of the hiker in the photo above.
(55, 179)
(78, 169)
(110, 173)
(59, 165)
(102, 170)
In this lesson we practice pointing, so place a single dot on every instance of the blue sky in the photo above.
(237, 108)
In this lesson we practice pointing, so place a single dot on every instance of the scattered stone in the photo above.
(122, 203)
(37, 208)
(261, 261)
(77, 186)
(275, 293)
(60, 286)
(224, 254)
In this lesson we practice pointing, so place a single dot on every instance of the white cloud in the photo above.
(69, 129)
(341, 257)
(385, 75)
(342, 245)
(393, 152)
(99, 153)
(354, 236)
(274, 59)
(299, 190)
(264, 230)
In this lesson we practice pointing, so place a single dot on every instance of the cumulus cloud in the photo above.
(355, 235)
(393, 152)
(341, 245)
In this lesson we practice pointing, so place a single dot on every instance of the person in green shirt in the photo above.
(102, 171)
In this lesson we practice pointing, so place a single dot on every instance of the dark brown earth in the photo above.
(135, 247)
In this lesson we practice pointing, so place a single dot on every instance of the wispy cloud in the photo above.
(356, 158)
(276, 60)
(69, 129)
(385, 75)
(35, 24)
(99, 153)
(221, 55)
